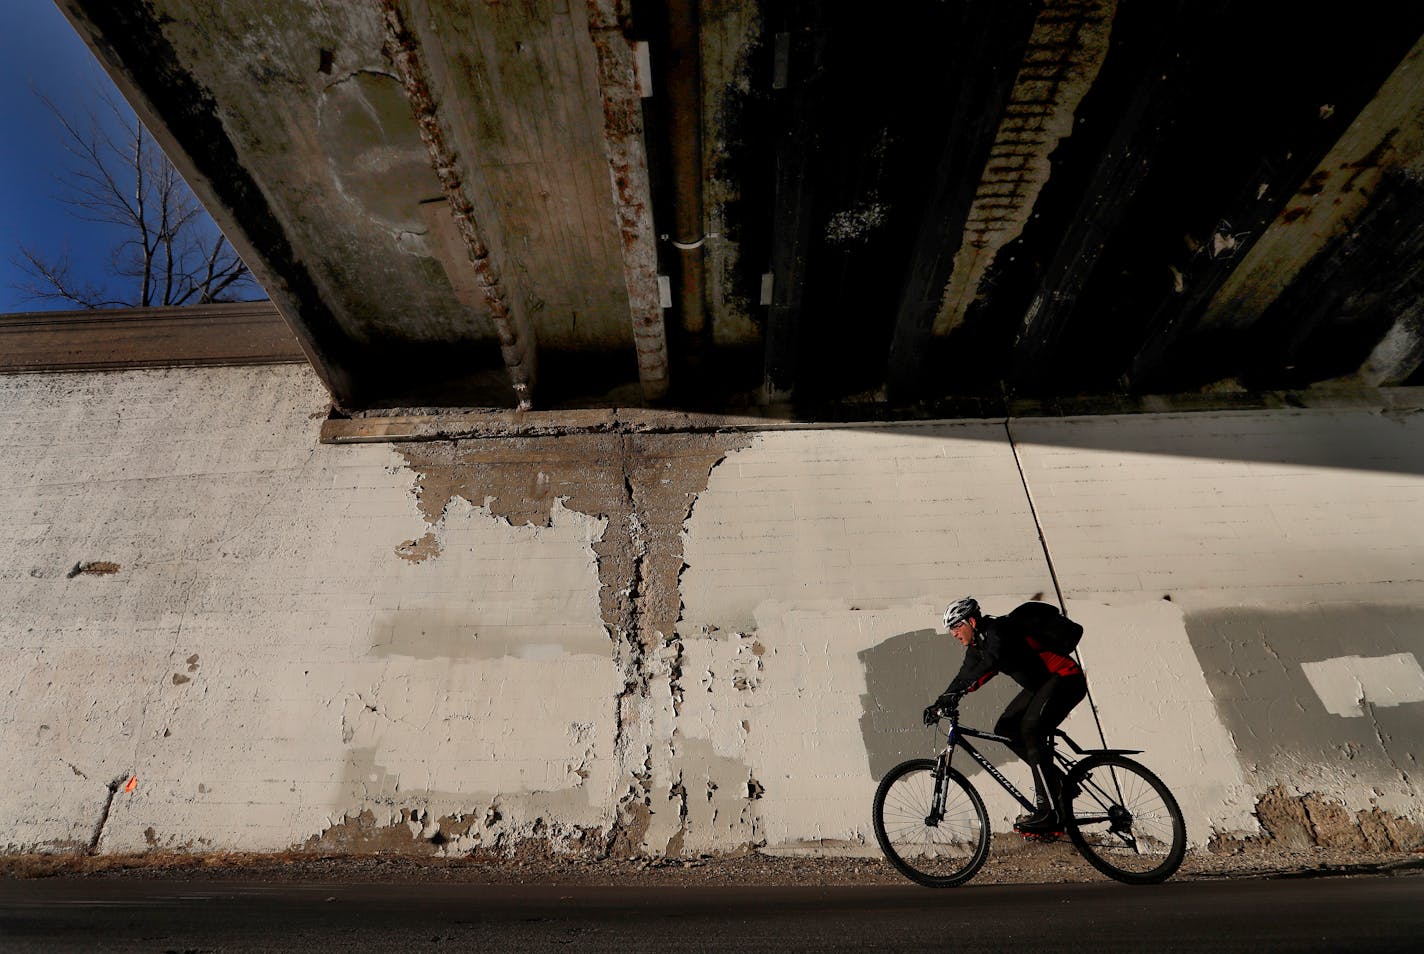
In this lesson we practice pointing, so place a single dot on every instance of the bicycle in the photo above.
(1119, 816)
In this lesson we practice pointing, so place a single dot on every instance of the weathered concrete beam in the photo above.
(231, 333)
(632, 192)
(1139, 65)
(1342, 260)
(1220, 286)
(1400, 353)
(180, 113)
(398, 425)
(987, 51)
(799, 64)
(1387, 134)
(516, 337)
(1065, 51)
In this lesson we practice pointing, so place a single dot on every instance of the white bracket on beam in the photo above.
(644, 60)
(664, 292)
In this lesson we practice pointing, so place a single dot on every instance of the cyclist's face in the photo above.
(963, 631)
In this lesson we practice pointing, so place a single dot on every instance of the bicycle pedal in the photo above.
(1044, 836)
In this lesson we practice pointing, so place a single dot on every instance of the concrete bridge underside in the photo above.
(727, 203)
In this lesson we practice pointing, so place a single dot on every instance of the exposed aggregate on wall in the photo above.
(672, 643)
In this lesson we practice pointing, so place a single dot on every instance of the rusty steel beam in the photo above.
(516, 336)
(628, 173)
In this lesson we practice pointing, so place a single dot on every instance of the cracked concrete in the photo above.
(642, 488)
(636, 644)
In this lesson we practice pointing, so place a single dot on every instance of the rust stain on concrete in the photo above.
(628, 174)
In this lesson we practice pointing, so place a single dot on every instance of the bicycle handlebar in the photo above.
(950, 712)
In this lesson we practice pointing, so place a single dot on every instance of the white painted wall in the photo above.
(331, 676)
(270, 560)
(1309, 522)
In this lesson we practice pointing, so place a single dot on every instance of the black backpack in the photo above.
(1050, 628)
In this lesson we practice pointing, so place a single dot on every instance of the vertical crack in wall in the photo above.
(644, 487)
(1384, 748)
(104, 815)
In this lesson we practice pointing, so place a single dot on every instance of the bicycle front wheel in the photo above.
(935, 852)
(1124, 820)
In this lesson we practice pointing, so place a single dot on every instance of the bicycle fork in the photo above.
(941, 783)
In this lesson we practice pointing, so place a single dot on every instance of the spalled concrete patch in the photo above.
(96, 568)
(1298, 822)
(642, 487)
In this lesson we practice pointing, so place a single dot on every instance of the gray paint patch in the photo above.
(712, 796)
(904, 674)
(456, 634)
(1254, 663)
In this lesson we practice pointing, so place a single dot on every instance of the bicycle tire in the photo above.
(1124, 820)
(948, 854)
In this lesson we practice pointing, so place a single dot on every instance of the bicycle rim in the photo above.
(1124, 821)
(940, 855)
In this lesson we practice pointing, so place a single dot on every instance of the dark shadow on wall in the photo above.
(904, 674)
(1365, 439)
(1252, 661)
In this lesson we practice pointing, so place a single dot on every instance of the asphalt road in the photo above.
(1373, 913)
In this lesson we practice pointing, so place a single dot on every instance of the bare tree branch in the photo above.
(53, 281)
(171, 252)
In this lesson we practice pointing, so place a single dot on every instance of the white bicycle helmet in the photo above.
(960, 610)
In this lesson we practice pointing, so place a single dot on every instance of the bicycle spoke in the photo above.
(938, 854)
(1124, 821)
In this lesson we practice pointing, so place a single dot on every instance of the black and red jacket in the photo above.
(1003, 648)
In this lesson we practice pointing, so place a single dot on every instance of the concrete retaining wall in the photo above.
(665, 643)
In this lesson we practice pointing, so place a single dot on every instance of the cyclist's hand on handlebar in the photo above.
(931, 714)
(949, 702)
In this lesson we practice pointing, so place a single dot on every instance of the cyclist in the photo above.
(1052, 684)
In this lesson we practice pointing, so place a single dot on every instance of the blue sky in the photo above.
(39, 50)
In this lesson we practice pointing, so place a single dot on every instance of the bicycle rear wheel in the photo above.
(1124, 820)
(941, 854)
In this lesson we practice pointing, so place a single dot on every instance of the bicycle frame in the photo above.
(957, 737)
(1140, 839)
